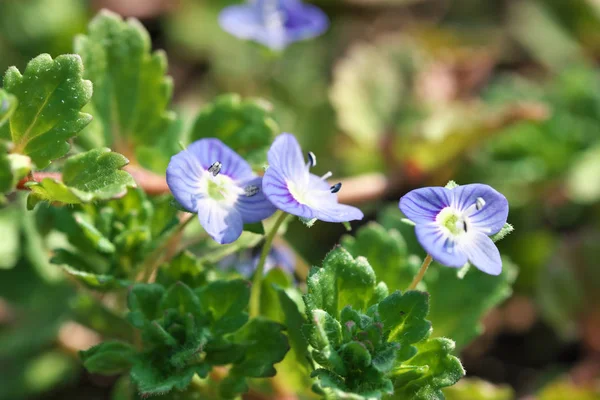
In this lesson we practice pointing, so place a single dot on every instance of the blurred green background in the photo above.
(503, 92)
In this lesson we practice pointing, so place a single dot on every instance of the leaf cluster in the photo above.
(187, 332)
(368, 343)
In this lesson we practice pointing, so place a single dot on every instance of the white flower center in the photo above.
(220, 188)
(455, 222)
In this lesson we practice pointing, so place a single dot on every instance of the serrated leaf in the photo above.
(387, 254)
(131, 91)
(93, 175)
(433, 367)
(265, 345)
(51, 94)
(403, 316)
(226, 303)
(151, 380)
(244, 125)
(108, 358)
(181, 298)
(341, 281)
(143, 302)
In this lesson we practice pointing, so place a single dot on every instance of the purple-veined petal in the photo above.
(482, 253)
(285, 157)
(209, 151)
(440, 245)
(224, 224)
(257, 207)
(277, 191)
(338, 213)
(493, 213)
(423, 205)
(183, 178)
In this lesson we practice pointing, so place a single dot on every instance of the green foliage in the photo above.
(109, 242)
(187, 332)
(131, 91)
(89, 176)
(387, 253)
(369, 344)
(50, 94)
(244, 125)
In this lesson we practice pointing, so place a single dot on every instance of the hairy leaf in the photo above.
(108, 358)
(51, 94)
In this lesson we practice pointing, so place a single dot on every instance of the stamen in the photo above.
(464, 225)
(312, 159)
(215, 168)
(479, 203)
(328, 175)
(250, 190)
(336, 188)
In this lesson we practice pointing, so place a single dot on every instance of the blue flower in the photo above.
(274, 23)
(290, 186)
(280, 256)
(212, 180)
(454, 225)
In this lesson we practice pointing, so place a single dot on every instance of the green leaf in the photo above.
(387, 253)
(181, 298)
(341, 281)
(151, 380)
(475, 294)
(403, 316)
(93, 175)
(225, 302)
(143, 302)
(265, 345)
(186, 268)
(131, 91)
(51, 93)
(432, 368)
(13, 168)
(108, 358)
(244, 125)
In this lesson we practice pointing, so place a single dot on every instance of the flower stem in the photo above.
(421, 273)
(152, 262)
(258, 274)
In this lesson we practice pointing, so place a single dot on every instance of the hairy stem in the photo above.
(421, 273)
(258, 274)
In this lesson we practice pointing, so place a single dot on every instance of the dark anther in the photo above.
(336, 188)
(250, 190)
(312, 159)
(465, 226)
(215, 168)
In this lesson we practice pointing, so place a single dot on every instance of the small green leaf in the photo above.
(387, 253)
(131, 91)
(93, 175)
(181, 298)
(433, 367)
(265, 345)
(151, 380)
(50, 93)
(225, 302)
(186, 268)
(403, 316)
(108, 358)
(244, 125)
(143, 302)
(341, 281)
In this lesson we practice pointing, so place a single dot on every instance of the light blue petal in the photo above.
(276, 189)
(492, 216)
(183, 174)
(285, 157)
(242, 21)
(304, 21)
(423, 205)
(208, 151)
(482, 253)
(222, 223)
(440, 245)
(257, 207)
(338, 213)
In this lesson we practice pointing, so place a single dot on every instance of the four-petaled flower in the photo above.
(454, 225)
(212, 180)
(274, 23)
(290, 186)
